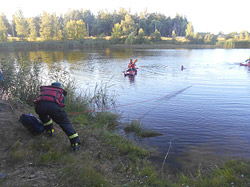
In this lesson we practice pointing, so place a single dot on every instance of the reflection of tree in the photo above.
(75, 56)
(122, 53)
(77, 60)
(108, 52)
(50, 58)
(47, 56)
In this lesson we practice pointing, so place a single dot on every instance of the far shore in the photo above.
(65, 45)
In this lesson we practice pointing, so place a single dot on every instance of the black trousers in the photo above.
(49, 110)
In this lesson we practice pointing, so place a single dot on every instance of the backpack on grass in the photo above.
(32, 123)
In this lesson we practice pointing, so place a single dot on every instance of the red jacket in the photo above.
(52, 94)
(131, 66)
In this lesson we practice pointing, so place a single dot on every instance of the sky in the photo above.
(212, 16)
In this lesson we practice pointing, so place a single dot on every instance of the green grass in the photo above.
(231, 173)
(122, 146)
(136, 128)
(108, 159)
(233, 43)
(83, 176)
(106, 119)
(54, 45)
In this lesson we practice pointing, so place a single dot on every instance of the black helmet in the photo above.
(57, 84)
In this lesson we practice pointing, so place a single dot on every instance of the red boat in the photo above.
(130, 72)
(242, 64)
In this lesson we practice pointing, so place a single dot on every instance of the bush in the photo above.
(21, 79)
(130, 39)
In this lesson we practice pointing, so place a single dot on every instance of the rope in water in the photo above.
(168, 96)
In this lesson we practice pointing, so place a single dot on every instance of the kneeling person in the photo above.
(49, 107)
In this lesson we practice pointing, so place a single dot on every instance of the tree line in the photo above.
(79, 24)
(122, 26)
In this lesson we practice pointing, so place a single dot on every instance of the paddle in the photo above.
(135, 61)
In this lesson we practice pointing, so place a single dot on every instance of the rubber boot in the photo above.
(50, 130)
(75, 146)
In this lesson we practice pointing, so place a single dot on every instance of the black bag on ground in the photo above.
(32, 123)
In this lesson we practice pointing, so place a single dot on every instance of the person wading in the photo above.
(49, 107)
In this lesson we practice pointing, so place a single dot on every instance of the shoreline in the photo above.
(58, 45)
(104, 43)
(105, 159)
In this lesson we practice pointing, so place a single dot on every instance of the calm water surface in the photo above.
(203, 110)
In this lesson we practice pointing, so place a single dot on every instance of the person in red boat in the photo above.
(131, 65)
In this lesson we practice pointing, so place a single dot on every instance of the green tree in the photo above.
(173, 34)
(32, 29)
(150, 20)
(46, 27)
(141, 36)
(76, 30)
(198, 38)
(85, 15)
(88, 19)
(13, 26)
(179, 24)
(7, 24)
(120, 15)
(142, 21)
(156, 36)
(156, 24)
(73, 15)
(230, 35)
(190, 31)
(3, 30)
(116, 33)
(210, 38)
(130, 39)
(103, 24)
(128, 25)
(56, 31)
(244, 35)
(37, 22)
(21, 24)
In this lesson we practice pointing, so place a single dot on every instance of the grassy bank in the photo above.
(89, 43)
(233, 43)
(53, 45)
(105, 158)
(164, 43)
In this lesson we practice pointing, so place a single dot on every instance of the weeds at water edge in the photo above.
(136, 128)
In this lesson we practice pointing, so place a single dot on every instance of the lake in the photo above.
(201, 111)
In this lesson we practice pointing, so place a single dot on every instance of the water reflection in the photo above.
(131, 78)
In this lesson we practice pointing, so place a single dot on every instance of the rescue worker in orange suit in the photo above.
(131, 66)
(49, 107)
